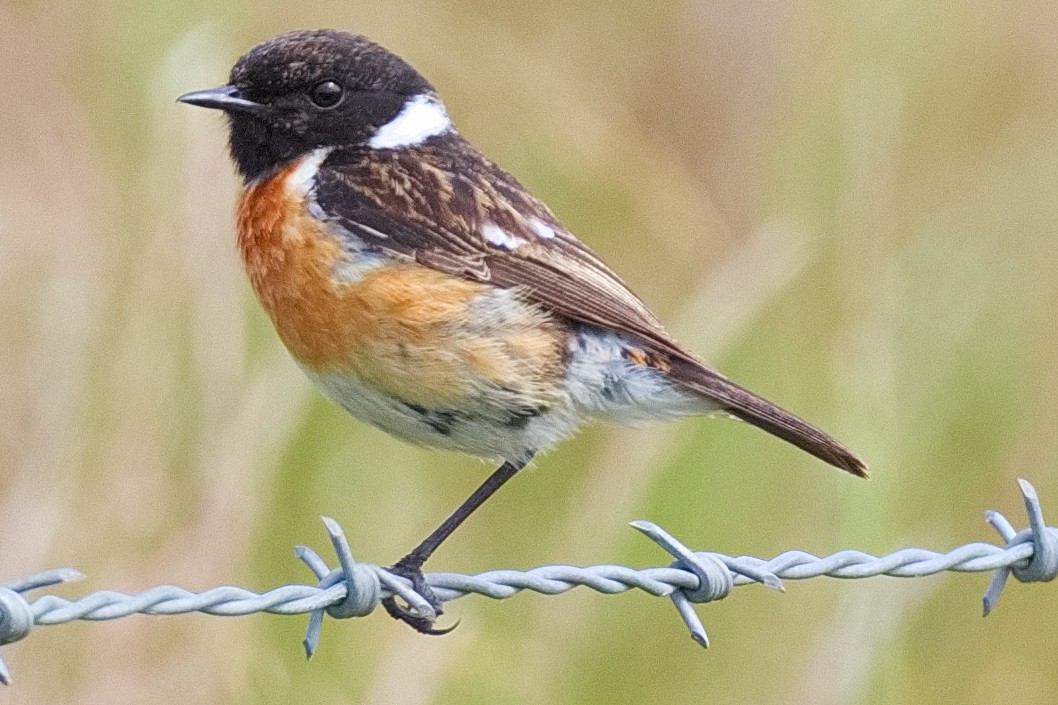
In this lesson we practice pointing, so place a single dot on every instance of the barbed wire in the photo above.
(354, 589)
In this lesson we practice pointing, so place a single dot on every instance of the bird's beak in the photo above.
(224, 98)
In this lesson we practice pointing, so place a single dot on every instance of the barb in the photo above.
(355, 589)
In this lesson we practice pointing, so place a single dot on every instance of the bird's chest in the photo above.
(290, 257)
(408, 331)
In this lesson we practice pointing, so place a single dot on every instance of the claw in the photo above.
(413, 619)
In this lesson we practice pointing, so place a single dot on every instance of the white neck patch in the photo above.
(422, 117)
(303, 177)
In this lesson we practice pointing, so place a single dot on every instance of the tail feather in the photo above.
(763, 414)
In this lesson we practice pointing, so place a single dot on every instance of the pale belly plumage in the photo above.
(599, 383)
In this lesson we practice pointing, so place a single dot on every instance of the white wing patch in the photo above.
(498, 237)
(542, 229)
(422, 117)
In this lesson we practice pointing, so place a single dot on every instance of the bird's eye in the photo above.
(326, 94)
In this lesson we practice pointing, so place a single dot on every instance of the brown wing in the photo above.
(447, 207)
(435, 206)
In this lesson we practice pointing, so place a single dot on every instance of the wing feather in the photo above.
(435, 205)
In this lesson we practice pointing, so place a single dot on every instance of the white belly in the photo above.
(600, 384)
(473, 430)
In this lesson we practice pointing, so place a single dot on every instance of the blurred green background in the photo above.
(849, 207)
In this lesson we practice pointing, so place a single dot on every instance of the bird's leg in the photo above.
(410, 566)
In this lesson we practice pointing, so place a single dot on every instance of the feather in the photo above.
(444, 205)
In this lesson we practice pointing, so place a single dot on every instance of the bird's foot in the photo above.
(404, 613)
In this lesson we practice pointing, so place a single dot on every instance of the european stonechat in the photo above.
(427, 292)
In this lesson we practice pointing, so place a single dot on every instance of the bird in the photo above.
(424, 290)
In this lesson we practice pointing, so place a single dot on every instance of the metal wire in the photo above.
(354, 589)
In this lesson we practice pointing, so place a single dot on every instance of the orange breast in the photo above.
(400, 327)
(289, 258)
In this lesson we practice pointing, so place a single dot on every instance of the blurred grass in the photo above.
(848, 207)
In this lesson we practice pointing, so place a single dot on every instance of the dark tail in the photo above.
(763, 414)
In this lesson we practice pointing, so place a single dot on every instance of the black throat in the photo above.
(261, 143)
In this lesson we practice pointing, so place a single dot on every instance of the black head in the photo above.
(308, 89)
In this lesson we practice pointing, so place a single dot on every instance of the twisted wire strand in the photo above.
(355, 589)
